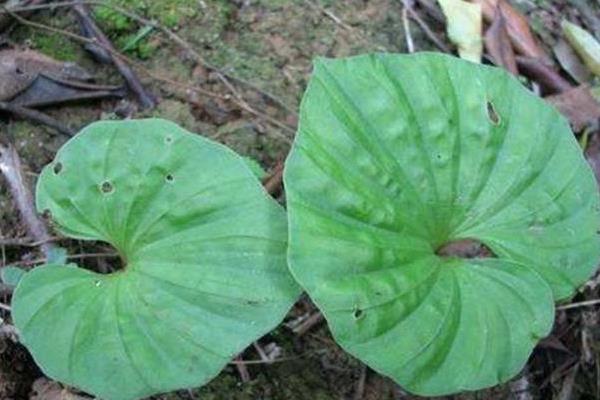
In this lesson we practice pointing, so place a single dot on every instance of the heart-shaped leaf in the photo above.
(398, 156)
(204, 248)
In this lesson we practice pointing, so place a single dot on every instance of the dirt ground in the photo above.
(269, 44)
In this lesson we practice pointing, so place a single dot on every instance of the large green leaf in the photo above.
(399, 155)
(204, 248)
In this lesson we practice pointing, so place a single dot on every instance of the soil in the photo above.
(269, 43)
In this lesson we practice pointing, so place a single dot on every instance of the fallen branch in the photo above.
(360, 386)
(145, 99)
(70, 257)
(428, 31)
(587, 303)
(307, 324)
(25, 242)
(273, 183)
(6, 19)
(10, 167)
(242, 369)
(410, 45)
(36, 116)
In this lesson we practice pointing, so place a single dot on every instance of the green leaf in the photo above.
(11, 275)
(134, 41)
(205, 254)
(584, 44)
(57, 255)
(397, 156)
(464, 27)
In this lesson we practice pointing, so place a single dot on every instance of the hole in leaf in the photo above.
(47, 214)
(106, 187)
(19, 71)
(169, 178)
(57, 168)
(169, 139)
(464, 248)
(358, 314)
(492, 114)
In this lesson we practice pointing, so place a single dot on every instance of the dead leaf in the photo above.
(45, 389)
(537, 70)
(571, 63)
(498, 43)
(579, 106)
(592, 155)
(517, 27)
(31, 79)
(584, 44)
(19, 68)
(463, 24)
(46, 91)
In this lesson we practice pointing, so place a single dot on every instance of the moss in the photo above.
(122, 29)
(55, 46)
(167, 12)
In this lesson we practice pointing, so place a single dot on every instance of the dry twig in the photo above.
(36, 116)
(70, 257)
(10, 167)
(146, 99)
(273, 183)
(410, 45)
(6, 19)
(360, 387)
(586, 303)
(308, 323)
(242, 369)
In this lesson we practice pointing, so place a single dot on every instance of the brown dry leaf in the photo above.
(579, 106)
(517, 26)
(537, 70)
(497, 43)
(592, 155)
(19, 68)
(45, 389)
(570, 62)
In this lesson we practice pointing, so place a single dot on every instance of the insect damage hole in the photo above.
(358, 314)
(492, 113)
(169, 139)
(47, 214)
(169, 178)
(106, 187)
(57, 168)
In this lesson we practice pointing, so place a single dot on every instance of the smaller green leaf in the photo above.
(139, 36)
(464, 27)
(584, 44)
(11, 275)
(57, 255)
(204, 250)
